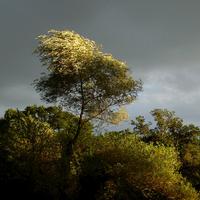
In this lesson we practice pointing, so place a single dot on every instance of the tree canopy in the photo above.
(113, 165)
(170, 130)
(81, 77)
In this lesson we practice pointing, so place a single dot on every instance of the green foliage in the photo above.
(140, 126)
(33, 144)
(120, 161)
(171, 131)
(117, 165)
(168, 130)
(81, 77)
(30, 147)
(28, 135)
(191, 163)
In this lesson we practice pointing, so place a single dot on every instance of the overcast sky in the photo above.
(159, 39)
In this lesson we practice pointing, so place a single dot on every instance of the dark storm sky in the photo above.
(159, 39)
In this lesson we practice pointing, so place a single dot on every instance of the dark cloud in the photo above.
(158, 39)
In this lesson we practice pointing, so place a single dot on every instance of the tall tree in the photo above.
(83, 79)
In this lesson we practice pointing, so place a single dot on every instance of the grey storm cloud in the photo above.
(159, 40)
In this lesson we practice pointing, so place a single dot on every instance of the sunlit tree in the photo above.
(83, 79)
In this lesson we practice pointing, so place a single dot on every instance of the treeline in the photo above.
(159, 161)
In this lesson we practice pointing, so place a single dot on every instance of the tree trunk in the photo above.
(68, 152)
